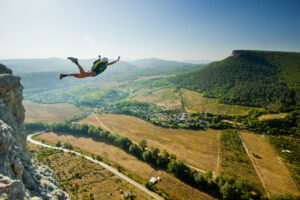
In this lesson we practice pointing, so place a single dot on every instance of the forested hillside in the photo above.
(249, 78)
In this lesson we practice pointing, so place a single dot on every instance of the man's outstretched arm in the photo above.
(113, 61)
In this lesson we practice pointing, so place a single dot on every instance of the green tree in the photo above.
(143, 144)
(68, 146)
(135, 150)
(227, 191)
(98, 158)
(58, 143)
(147, 156)
(124, 142)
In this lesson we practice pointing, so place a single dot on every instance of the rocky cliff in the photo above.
(238, 52)
(20, 177)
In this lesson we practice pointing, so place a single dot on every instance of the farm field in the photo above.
(166, 97)
(35, 112)
(143, 78)
(195, 102)
(235, 161)
(172, 185)
(106, 84)
(272, 116)
(274, 173)
(87, 179)
(198, 148)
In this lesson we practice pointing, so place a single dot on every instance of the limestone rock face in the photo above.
(20, 178)
(238, 53)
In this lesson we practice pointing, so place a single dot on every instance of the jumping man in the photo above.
(98, 67)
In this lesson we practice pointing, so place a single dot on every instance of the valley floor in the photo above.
(199, 148)
(139, 169)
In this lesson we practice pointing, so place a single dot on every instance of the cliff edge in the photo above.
(20, 177)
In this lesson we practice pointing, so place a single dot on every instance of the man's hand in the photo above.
(114, 61)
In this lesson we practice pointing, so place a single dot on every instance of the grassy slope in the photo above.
(254, 78)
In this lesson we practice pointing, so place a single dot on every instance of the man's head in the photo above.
(104, 59)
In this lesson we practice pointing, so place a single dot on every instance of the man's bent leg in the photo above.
(75, 61)
(80, 69)
(81, 75)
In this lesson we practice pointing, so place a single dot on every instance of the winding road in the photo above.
(113, 170)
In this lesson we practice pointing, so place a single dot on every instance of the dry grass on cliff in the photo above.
(129, 163)
(35, 112)
(83, 179)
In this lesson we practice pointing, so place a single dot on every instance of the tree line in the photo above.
(290, 125)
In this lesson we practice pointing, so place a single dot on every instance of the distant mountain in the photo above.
(251, 78)
(142, 67)
(155, 62)
(40, 75)
(41, 81)
(198, 61)
(38, 65)
(154, 66)
(58, 65)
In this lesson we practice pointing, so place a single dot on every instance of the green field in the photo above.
(234, 159)
(195, 102)
(166, 97)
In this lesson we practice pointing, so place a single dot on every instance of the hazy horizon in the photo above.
(196, 61)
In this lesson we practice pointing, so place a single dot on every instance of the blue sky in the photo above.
(133, 29)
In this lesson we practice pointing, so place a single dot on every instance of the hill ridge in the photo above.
(264, 79)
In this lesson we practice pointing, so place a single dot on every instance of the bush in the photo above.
(68, 146)
(98, 158)
(256, 156)
(58, 144)
(149, 185)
